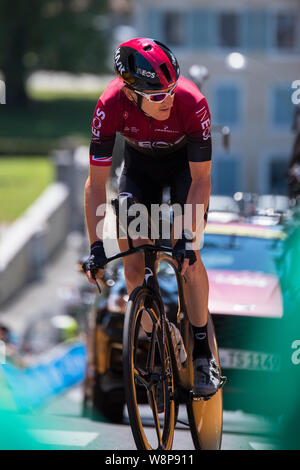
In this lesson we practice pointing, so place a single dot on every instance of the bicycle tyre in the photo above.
(206, 417)
(135, 308)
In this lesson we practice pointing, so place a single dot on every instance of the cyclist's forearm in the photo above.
(199, 194)
(94, 204)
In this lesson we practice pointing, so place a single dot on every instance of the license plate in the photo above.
(249, 360)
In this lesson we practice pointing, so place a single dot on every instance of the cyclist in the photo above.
(165, 121)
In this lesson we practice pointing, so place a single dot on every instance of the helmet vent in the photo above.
(166, 72)
(147, 48)
(131, 63)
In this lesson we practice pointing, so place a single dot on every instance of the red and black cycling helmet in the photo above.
(146, 64)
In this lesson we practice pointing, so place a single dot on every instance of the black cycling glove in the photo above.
(97, 258)
(180, 246)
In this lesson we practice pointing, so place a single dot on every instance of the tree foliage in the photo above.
(64, 35)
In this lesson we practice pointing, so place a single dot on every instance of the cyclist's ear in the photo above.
(129, 93)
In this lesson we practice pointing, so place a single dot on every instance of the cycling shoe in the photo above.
(207, 379)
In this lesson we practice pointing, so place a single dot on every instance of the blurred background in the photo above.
(56, 58)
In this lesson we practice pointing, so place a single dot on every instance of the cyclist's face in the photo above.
(160, 111)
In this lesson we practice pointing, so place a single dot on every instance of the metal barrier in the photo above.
(33, 238)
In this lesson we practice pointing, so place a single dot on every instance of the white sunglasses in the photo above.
(157, 97)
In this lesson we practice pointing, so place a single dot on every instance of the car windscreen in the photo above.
(237, 253)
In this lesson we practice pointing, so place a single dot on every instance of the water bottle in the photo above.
(176, 337)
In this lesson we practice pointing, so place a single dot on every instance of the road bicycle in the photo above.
(157, 364)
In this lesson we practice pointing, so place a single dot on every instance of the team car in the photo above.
(247, 307)
(246, 304)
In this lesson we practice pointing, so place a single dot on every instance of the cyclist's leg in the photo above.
(196, 299)
(207, 378)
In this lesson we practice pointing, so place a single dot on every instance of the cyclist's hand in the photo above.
(93, 266)
(189, 255)
(98, 275)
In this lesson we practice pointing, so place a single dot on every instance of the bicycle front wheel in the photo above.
(148, 374)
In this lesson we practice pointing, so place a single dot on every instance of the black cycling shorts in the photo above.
(145, 176)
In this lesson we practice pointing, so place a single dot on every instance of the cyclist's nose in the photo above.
(168, 101)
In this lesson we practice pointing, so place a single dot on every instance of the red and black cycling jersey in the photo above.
(187, 126)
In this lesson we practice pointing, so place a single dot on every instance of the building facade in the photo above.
(251, 92)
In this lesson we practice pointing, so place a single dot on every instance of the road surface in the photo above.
(61, 425)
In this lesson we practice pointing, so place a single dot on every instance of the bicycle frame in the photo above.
(152, 260)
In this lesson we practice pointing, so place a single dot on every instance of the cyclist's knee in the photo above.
(133, 271)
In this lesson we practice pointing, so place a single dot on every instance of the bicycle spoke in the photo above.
(151, 353)
(152, 402)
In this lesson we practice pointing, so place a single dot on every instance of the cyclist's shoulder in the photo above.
(188, 94)
(113, 95)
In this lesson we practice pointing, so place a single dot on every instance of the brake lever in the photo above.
(98, 285)
(93, 273)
